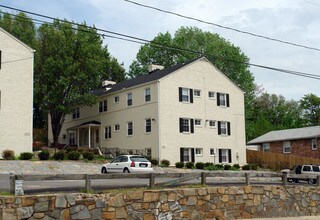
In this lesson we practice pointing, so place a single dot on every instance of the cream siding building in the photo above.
(188, 112)
(16, 94)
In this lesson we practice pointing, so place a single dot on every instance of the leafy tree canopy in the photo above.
(310, 104)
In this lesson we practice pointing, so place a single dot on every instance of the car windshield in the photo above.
(139, 159)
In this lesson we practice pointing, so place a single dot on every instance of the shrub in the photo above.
(219, 166)
(59, 155)
(179, 165)
(8, 154)
(165, 163)
(189, 165)
(154, 162)
(26, 156)
(236, 166)
(44, 155)
(73, 155)
(246, 167)
(208, 164)
(200, 165)
(88, 155)
(227, 167)
(211, 167)
(254, 166)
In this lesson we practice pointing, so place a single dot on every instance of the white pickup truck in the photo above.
(311, 172)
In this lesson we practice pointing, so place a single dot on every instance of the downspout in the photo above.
(159, 120)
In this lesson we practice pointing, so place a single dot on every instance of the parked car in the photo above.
(314, 170)
(128, 164)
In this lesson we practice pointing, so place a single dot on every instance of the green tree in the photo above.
(190, 43)
(70, 63)
(274, 112)
(310, 104)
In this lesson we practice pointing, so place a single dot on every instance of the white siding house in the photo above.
(16, 94)
(188, 112)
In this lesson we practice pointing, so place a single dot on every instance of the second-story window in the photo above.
(117, 127)
(76, 113)
(116, 99)
(223, 99)
(197, 93)
(224, 128)
(130, 128)
(186, 125)
(185, 95)
(148, 125)
(147, 95)
(129, 99)
(103, 106)
(211, 95)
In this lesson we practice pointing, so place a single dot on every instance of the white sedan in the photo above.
(128, 164)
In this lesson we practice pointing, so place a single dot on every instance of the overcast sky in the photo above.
(296, 21)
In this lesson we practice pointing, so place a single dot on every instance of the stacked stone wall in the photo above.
(192, 203)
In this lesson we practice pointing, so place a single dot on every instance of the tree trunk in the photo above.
(57, 119)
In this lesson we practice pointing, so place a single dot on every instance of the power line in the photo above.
(312, 3)
(141, 41)
(221, 26)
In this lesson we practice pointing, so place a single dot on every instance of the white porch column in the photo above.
(89, 137)
(78, 137)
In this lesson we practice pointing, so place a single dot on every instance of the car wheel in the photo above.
(126, 170)
(104, 170)
(311, 181)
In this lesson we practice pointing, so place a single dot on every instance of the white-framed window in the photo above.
(186, 125)
(266, 147)
(224, 128)
(117, 127)
(129, 99)
(185, 95)
(107, 132)
(197, 93)
(225, 156)
(72, 138)
(76, 113)
(286, 147)
(211, 95)
(130, 128)
(103, 106)
(197, 122)
(314, 144)
(223, 99)
(212, 152)
(212, 124)
(116, 99)
(148, 125)
(199, 151)
(147, 95)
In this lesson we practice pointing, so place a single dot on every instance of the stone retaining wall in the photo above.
(196, 203)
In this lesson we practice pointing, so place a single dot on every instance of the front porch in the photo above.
(86, 134)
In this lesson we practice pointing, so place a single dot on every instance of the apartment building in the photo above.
(188, 112)
(16, 94)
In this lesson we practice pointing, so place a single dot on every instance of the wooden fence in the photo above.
(277, 161)
(175, 178)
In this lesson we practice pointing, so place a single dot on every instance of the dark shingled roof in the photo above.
(150, 77)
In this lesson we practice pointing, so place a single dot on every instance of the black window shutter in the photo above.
(192, 125)
(181, 154)
(180, 94)
(192, 155)
(191, 95)
(228, 101)
(220, 156)
(219, 127)
(181, 124)
(0, 59)
(229, 155)
(229, 128)
(218, 99)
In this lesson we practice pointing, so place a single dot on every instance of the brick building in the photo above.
(299, 141)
